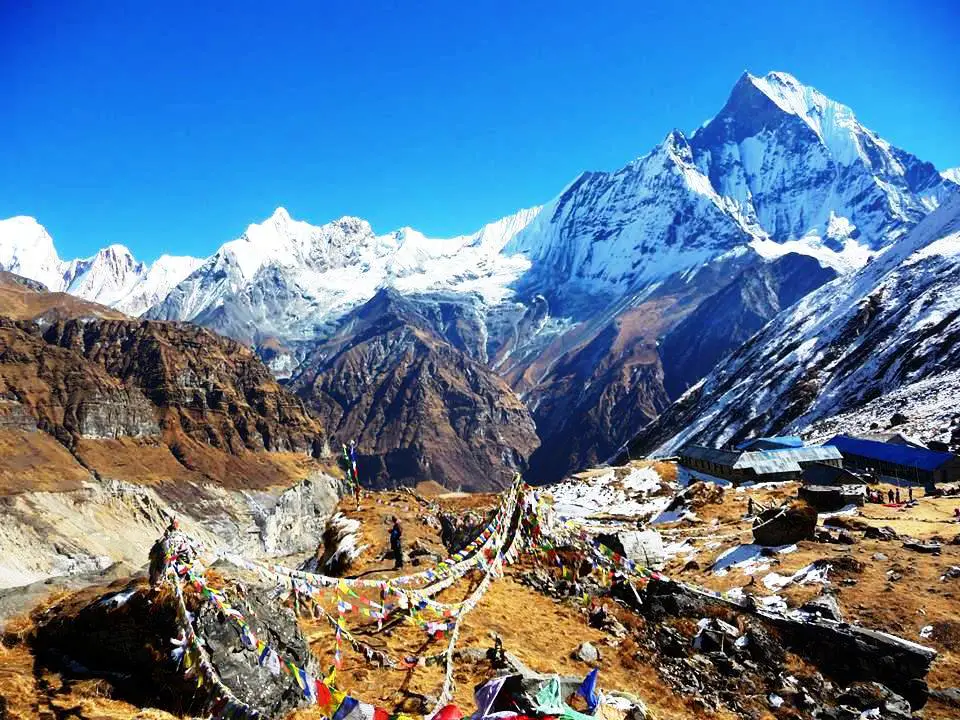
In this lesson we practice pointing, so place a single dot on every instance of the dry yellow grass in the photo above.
(35, 461)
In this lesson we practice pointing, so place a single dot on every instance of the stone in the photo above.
(898, 418)
(866, 696)
(845, 538)
(930, 548)
(880, 557)
(785, 525)
(948, 696)
(124, 635)
(882, 533)
(586, 652)
(826, 606)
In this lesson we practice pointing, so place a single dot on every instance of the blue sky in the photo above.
(169, 126)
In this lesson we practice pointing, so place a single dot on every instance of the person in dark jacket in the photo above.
(396, 547)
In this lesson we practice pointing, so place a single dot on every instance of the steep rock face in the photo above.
(418, 407)
(726, 319)
(891, 325)
(793, 161)
(206, 387)
(65, 395)
(143, 400)
(612, 233)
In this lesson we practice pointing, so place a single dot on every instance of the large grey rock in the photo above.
(644, 547)
(586, 652)
(785, 525)
(826, 606)
(124, 636)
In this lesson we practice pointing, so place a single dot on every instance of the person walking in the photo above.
(396, 545)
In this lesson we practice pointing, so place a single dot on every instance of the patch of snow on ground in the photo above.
(686, 476)
(668, 516)
(929, 405)
(814, 573)
(850, 509)
(602, 494)
(117, 599)
(683, 547)
(747, 558)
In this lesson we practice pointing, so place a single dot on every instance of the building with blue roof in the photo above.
(903, 463)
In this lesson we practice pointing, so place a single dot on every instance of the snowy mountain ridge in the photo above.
(781, 168)
(112, 277)
(892, 326)
(282, 277)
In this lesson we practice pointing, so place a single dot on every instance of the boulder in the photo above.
(785, 525)
(644, 547)
(825, 606)
(586, 652)
(864, 696)
(124, 636)
(882, 533)
(931, 548)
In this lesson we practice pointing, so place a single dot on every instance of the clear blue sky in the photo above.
(169, 126)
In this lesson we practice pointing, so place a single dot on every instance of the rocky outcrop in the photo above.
(727, 319)
(207, 387)
(418, 407)
(846, 653)
(89, 528)
(66, 395)
(124, 636)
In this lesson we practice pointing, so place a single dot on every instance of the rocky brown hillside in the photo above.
(418, 407)
(102, 384)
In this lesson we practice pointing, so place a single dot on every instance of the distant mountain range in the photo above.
(597, 310)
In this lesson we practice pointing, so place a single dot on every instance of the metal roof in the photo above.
(786, 459)
(771, 443)
(763, 462)
(708, 454)
(903, 455)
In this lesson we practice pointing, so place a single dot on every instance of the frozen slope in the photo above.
(802, 166)
(893, 324)
(613, 233)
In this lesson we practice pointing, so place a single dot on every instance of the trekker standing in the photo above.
(355, 473)
(396, 533)
(898, 496)
(890, 496)
(910, 493)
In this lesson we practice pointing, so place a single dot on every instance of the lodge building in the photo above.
(759, 460)
(902, 463)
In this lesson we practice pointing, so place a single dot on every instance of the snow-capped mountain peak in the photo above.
(952, 174)
(834, 123)
(26, 248)
(111, 277)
